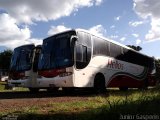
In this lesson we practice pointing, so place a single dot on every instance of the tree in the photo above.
(137, 48)
(5, 58)
(158, 69)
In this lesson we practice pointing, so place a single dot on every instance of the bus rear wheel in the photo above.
(34, 90)
(68, 89)
(123, 88)
(99, 83)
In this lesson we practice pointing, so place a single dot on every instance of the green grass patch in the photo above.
(111, 106)
(2, 86)
(6, 89)
(20, 89)
(74, 107)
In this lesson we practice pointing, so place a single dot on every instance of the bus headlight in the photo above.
(65, 74)
(25, 77)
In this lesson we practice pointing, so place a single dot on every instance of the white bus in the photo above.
(78, 59)
(23, 67)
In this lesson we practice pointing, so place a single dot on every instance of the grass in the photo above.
(2, 88)
(112, 105)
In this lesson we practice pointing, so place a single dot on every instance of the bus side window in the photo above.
(81, 53)
(81, 56)
(84, 48)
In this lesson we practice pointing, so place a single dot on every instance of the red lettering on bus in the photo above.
(114, 64)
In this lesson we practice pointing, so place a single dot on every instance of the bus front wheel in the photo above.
(52, 89)
(34, 90)
(123, 88)
(68, 89)
(99, 83)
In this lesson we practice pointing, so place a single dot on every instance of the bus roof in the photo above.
(24, 45)
(104, 38)
(112, 41)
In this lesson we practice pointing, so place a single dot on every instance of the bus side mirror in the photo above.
(73, 39)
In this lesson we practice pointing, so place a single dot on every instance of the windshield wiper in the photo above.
(45, 61)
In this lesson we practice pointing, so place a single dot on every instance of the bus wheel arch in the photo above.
(99, 83)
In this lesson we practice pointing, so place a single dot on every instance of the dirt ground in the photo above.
(18, 100)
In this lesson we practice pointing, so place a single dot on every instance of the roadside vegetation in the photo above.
(113, 105)
(2, 86)
(5, 88)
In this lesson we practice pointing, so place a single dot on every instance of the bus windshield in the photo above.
(56, 53)
(22, 58)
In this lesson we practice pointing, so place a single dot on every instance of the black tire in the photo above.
(99, 83)
(34, 90)
(145, 85)
(68, 90)
(123, 88)
(52, 89)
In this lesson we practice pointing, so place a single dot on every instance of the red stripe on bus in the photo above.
(126, 81)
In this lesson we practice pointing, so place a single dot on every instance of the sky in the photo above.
(129, 22)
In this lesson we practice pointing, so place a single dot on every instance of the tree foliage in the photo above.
(5, 58)
(137, 48)
(158, 69)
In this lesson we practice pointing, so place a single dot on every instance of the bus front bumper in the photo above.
(16, 83)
